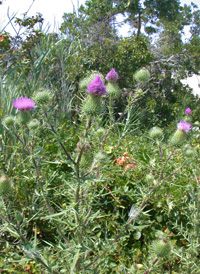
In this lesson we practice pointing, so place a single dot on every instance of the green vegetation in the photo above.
(100, 172)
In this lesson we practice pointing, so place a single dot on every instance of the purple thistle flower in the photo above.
(184, 126)
(97, 87)
(23, 103)
(188, 111)
(112, 75)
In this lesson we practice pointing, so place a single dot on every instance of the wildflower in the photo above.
(112, 75)
(179, 136)
(85, 81)
(97, 87)
(125, 162)
(1, 37)
(184, 126)
(188, 111)
(24, 103)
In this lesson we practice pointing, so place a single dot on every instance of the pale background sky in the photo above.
(52, 10)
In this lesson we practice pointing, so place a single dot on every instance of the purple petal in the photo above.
(112, 75)
(185, 126)
(97, 87)
(24, 103)
(188, 111)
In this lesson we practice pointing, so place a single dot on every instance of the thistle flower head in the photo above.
(188, 111)
(24, 103)
(112, 75)
(91, 76)
(184, 126)
(97, 87)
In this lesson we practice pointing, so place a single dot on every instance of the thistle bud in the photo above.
(189, 150)
(33, 124)
(23, 117)
(8, 121)
(150, 178)
(5, 186)
(42, 97)
(161, 248)
(100, 158)
(188, 119)
(196, 124)
(92, 106)
(86, 160)
(100, 132)
(178, 138)
(142, 75)
(113, 89)
(155, 133)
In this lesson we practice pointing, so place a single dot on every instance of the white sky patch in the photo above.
(52, 12)
(194, 83)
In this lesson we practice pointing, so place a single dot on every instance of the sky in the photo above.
(52, 11)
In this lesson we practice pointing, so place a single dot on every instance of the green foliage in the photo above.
(86, 186)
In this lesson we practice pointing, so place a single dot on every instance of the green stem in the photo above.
(110, 110)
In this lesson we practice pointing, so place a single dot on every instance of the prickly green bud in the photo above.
(196, 124)
(101, 158)
(42, 97)
(190, 152)
(150, 178)
(178, 137)
(188, 118)
(155, 133)
(92, 106)
(86, 160)
(100, 132)
(161, 248)
(5, 186)
(139, 91)
(33, 124)
(23, 117)
(142, 75)
(113, 89)
(8, 121)
(85, 81)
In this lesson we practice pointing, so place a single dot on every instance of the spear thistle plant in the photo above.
(71, 201)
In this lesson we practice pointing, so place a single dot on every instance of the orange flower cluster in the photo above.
(125, 161)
